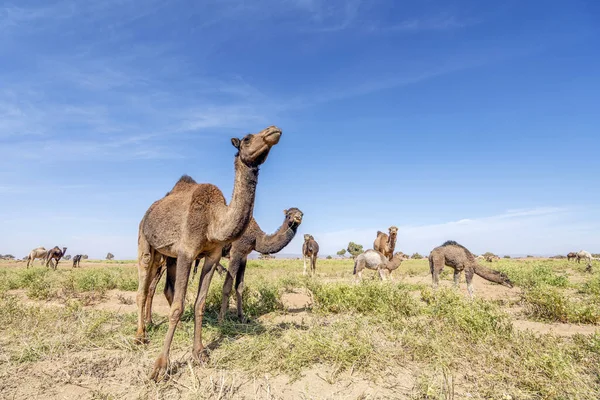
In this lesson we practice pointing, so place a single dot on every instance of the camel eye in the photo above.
(246, 139)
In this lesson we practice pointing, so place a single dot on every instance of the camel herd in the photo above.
(193, 222)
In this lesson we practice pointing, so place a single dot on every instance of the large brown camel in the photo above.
(386, 244)
(191, 221)
(252, 239)
(310, 250)
(373, 259)
(55, 254)
(39, 252)
(458, 257)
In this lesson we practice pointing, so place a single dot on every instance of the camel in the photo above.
(571, 256)
(38, 252)
(191, 221)
(55, 254)
(458, 257)
(375, 260)
(76, 260)
(386, 244)
(252, 239)
(310, 250)
(582, 254)
(491, 258)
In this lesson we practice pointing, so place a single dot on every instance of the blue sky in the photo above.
(466, 120)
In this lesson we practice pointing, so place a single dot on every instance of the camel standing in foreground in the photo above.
(55, 254)
(310, 250)
(458, 257)
(39, 252)
(373, 259)
(191, 221)
(386, 244)
(252, 239)
(585, 255)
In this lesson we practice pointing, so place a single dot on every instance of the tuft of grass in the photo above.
(547, 303)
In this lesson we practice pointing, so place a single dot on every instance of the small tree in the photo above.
(85, 256)
(341, 253)
(67, 257)
(110, 256)
(8, 257)
(416, 256)
(329, 257)
(489, 254)
(507, 256)
(355, 249)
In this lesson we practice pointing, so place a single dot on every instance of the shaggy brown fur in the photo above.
(386, 244)
(310, 250)
(461, 259)
(252, 239)
(194, 221)
(55, 254)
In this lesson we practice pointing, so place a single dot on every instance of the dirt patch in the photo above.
(555, 328)
(299, 299)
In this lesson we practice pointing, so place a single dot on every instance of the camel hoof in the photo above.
(160, 369)
(201, 357)
(141, 339)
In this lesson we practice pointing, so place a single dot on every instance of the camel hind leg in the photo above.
(469, 272)
(436, 264)
(148, 264)
(313, 265)
(234, 265)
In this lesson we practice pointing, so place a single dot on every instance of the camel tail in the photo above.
(492, 275)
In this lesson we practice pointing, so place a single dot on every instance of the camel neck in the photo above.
(238, 213)
(274, 243)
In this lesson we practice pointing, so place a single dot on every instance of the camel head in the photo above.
(253, 149)
(393, 231)
(293, 217)
(64, 250)
(505, 281)
(400, 256)
(307, 237)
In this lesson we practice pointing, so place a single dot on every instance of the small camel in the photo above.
(585, 255)
(252, 239)
(461, 259)
(76, 260)
(55, 254)
(375, 260)
(191, 221)
(38, 252)
(310, 250)
(385, 244)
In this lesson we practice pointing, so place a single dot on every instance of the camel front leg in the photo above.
(146, 271)
(313, 265)
(469, 277)
(184, 265)
(304, 257)
(456, 278)
(239, 289)
(205, 278)
(234, 265)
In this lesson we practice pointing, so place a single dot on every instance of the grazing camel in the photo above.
(373, 259)
(191, 221)
(39, 252)
(385, 244)
(76, 260)
(55, 254)
(571, 256)
(584, 255)
(458, 257)
(252, 239)
(310, 250)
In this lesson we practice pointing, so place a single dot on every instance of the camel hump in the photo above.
(379, 233)
(183, 183)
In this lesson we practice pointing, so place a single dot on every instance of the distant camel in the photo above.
(491, 258)
(55, 254)
(39, 252)
(571, 256)
(458, 257)
(386, 244)
(194, 220)
(76, 260)
(375, 260)
(310, 250)
(582, 254)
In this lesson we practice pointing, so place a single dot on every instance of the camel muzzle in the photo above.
(271, 135)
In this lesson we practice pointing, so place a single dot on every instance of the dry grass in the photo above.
(373, 334)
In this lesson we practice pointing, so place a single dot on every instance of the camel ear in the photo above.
(235, 142)
(285, 212)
